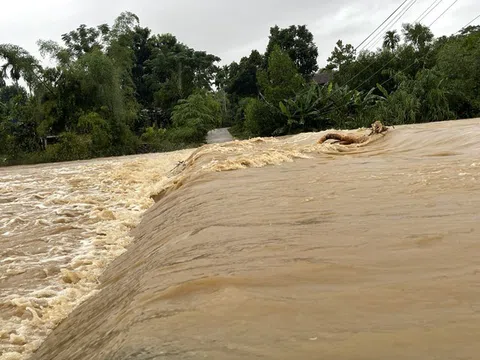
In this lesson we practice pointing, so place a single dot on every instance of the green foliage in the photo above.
(99, 131)
(391, 40)
(306, 111)
(297, 42)
(70, 147)
(350, 108)
(186, 136)
(341, 55)
(423, 79)
(201, 109)
(119, 89)
(18, 64)
(241, 79)
(102, 76)
(261, 119)
(194, 117)
(154, 139)
(459, 59)
(281, 80)
(421, 100)
(417, 34)
(400, 107)
(153, 135)
(18, 122)
(429, 87)
(174, 71)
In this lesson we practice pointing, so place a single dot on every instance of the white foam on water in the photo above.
(71, 220)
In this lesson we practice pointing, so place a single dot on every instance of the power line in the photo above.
(382, 23)
(423, 15)
(393, 58)
(394, 21)
(478, 16)
(359, 73)
(443, 13)
(396, 56)
(391, 77)
(427, 11)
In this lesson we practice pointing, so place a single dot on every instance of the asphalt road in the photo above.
(219, 136)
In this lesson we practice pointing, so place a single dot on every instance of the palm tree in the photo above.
(391, 40)
(18, 63)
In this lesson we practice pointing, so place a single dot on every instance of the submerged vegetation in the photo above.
(117, 90)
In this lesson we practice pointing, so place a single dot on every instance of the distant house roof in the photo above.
(322, 78)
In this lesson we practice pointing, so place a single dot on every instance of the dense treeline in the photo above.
(417, 79)
(116, 90)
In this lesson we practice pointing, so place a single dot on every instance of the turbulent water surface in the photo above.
(309, 251)
(60, 225)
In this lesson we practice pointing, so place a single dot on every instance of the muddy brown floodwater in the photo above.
(60, 226)
(308, 251)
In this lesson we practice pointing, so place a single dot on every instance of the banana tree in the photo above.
(351, 106)
(305, 111)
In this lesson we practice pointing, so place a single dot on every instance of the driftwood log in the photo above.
(345, 139)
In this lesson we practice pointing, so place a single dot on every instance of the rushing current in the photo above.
(60, 226)
(305, 251)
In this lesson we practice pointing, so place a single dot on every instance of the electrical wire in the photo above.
(366, 68)
(394, 21)
(424, 14)
(478, 16)
(407, 67)
(443, 13)
(382, 23)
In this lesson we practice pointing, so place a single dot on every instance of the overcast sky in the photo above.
(226, 28)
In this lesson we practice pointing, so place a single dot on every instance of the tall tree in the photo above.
(242, 78)
(84, 39)
(391, 40)
(18, 64)
(281, 80)
(341, 55)
(417, 34)
(470, 30)
(297, 42)
(458, 59)
(142, 52)
(174, 70)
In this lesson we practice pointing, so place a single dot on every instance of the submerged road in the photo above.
(219, 136)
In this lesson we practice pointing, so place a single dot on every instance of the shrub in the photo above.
(261, 119)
